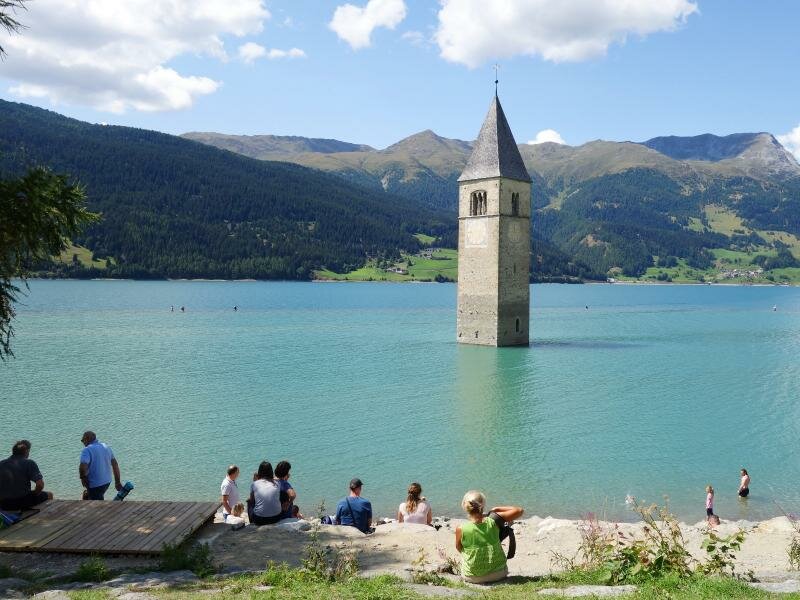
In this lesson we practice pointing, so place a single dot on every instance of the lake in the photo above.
(650, 391)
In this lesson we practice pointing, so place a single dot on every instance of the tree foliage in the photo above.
(8, 20)
(37, 212)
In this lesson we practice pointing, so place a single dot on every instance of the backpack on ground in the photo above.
(506, 532)
(8, 519)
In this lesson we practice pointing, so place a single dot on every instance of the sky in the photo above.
(376, 71)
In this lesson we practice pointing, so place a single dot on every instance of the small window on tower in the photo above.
(517, 325)
(477, 203)
(515, 204)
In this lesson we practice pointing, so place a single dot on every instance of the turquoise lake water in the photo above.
(652, 390)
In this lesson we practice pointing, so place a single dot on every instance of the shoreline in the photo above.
(393, 548)
(328, 280)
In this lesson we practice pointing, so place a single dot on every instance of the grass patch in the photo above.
(296, 584)
(443, 263)
(425, 239)
(723, 220)
(92, 570)
(695, 224)
(88, 595)
(83, 256)
(789, 239)
(194, 558)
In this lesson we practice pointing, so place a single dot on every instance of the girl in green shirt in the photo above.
(478, 541)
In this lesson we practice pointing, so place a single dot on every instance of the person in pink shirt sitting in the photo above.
(416, 508)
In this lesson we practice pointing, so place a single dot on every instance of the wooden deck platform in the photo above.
(95, 527)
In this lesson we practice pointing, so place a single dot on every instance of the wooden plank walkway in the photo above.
(95, 527)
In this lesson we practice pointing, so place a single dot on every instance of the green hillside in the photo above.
(176, 208)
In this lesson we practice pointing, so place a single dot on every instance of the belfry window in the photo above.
(515, 204)
(477, 203)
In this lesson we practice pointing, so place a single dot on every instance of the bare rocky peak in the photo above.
(751, 151)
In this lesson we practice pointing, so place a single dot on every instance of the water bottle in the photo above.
(126, 489)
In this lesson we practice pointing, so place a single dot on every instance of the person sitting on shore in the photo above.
(17, 472)
(416, 508)
(265, 496)
(282, 472)
(713, 521)
(478, 541)
(744, 484)
(229, 492)
(355, 511)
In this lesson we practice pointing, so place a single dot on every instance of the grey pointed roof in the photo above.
(495, 153)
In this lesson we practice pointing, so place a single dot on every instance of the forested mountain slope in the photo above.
(177, 208)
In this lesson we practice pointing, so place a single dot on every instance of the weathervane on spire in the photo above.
(496, 77)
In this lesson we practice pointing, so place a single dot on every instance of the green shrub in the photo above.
(721, 553)
(5, 571)
(94, 569)
(794, 552)
(194, 558)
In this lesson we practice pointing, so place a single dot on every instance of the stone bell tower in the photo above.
(494, 239)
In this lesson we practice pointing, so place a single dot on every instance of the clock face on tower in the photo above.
(476, 233)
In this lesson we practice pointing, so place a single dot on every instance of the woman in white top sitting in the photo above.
(416, 508)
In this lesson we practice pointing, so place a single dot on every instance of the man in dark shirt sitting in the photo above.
(354, 510)
(17, 472)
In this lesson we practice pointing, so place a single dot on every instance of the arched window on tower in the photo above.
(515, 204)
(477, 203)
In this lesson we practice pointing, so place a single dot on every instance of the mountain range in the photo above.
(424, 166)
(289, 207)
(606, 205)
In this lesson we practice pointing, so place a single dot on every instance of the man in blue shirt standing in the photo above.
(354, 510)
(96, 468)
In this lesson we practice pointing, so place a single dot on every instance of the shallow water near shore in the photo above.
(652, 390)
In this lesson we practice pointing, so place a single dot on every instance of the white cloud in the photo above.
(548, 135)
(291, 53)
(791, 141)
(355, 24)
(416, 38)
(472, 32)
(250, 52)
(113, 55)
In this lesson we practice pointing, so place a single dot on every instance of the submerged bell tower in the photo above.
(494, 239)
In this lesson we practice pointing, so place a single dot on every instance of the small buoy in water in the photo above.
(775, 308)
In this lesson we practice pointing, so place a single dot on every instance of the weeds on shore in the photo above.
(194, 558)
(92, 570)
(421, 573)
(321, 561)
(660, 551)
